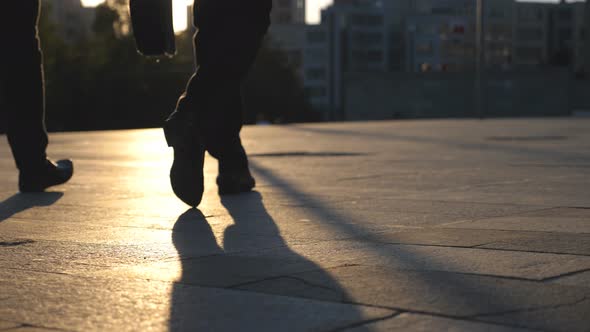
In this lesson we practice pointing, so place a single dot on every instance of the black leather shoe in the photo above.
(235, 182)
(38, 179)
(186, 174)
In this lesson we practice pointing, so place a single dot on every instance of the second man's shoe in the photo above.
(186, 174)
(37, 179)
(235, 182)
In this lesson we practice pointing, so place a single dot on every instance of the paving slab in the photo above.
(563, 243)
(395, 225)
(416, 322)
(581, 279)
(527, 241)
(569, 316)
(439, 293)
(137, 305)
(526, 265)
(28, 329)
(560, 220)
(4, 325)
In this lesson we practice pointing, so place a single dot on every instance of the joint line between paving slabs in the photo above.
(26, 325)
(253, 282)
(555, 306)
(501, 215)
(366, 322)
(480, 247)
(568, 274)
(39, 271)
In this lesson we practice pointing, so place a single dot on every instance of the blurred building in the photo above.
(288, 12)
(316, 67)
(74, 21)
(440, 35)
(351, 37)
(532, 33)
(572, 36)
(396, 15)
(369, 40)
(550, 34)
(586, 57)
(290, 38)
(287, 30)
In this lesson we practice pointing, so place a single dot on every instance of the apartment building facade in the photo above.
(288, 12)
(352, 37)
(440, 35)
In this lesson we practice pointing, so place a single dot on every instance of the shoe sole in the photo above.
(187, 183)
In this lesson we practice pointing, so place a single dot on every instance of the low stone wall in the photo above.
(400, 95)
(581, 95)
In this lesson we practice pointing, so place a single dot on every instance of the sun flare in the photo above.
(180, 11)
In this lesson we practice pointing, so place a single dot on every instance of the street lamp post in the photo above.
(479, 59)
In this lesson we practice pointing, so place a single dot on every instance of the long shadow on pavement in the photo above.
(426, 284)
(21, 202)
(238, 267)
(483, 144)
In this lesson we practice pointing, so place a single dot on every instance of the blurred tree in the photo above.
(103, 83)
(273, 91)
(122, 24)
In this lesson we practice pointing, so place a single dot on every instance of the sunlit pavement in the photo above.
(459, 225)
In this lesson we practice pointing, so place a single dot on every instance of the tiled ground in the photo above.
(456, 225)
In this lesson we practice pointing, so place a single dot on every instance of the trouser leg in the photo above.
(229, 35)
(21, 81)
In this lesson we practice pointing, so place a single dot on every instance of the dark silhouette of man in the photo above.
(208, 116)
(22, 99)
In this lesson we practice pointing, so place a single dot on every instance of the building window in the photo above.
(316, 36)
(315, 55)
(315, 92)
(565, 34)
(565, 14)
(529, 13)
(284, 17)
(284, 3)
(366, 20)
(496, 13)
(530, 54)
(315, 74)
(424, 48)
(530, 34)
(367, 38)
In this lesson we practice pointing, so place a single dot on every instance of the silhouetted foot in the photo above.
(47, 175)
(186, 174)
(235, 182)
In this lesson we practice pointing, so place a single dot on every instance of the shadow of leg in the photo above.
(222, 290)
(21, 202)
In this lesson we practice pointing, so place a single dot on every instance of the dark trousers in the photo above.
(22, 109)
(229, 35)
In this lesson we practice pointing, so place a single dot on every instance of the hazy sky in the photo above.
(313, 9)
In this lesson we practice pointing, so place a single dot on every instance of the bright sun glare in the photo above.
(180, 13)
(313, 10)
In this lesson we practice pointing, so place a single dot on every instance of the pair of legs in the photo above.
(208, 115)
(22, 97)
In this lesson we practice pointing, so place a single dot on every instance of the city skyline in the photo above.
(312, 15)
(313, 9)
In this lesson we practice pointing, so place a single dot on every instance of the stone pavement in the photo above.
(459, 225)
